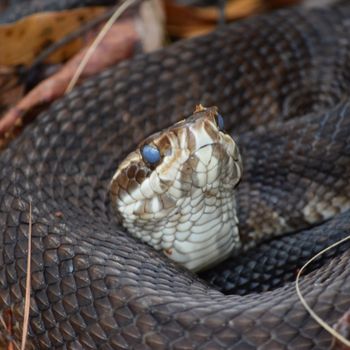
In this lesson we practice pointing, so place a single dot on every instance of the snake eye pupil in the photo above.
(220, 121)
(150, 154)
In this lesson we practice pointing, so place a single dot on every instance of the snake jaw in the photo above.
(184, 205)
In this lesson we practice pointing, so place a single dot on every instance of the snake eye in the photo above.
(150, 154)
(220, 121)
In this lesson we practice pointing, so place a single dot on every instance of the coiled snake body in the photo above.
(282, 83)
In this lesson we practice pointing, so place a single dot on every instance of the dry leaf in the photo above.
(188, 21)
(22, 41)
(10, 90)
(117, 45)
(146, 29)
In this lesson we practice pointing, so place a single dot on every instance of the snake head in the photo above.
(176, 190)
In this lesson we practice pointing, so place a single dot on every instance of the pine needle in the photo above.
(124, 6)
(28, 286)
(312, 313)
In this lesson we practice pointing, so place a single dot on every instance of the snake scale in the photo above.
(282, 83)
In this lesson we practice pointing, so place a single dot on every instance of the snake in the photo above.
(281, 83)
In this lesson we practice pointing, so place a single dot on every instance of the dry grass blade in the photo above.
(312, 313)
(28, 286)
(124, 6)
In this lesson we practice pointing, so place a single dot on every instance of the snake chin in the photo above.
(176, 191)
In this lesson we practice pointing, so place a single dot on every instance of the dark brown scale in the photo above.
(282, 83)
(131, 171)
(142, 174)
(123, 180)
(164, 144)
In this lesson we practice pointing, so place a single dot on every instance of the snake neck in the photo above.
(199, 232)
(209, 234)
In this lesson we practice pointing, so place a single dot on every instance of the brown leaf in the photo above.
(22, 41)
(10, 90)
(188, 21)
(146, 28)
(117, 45)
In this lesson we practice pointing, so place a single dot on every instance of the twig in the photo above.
(312, 313)
(124, 6)
(28, 286)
